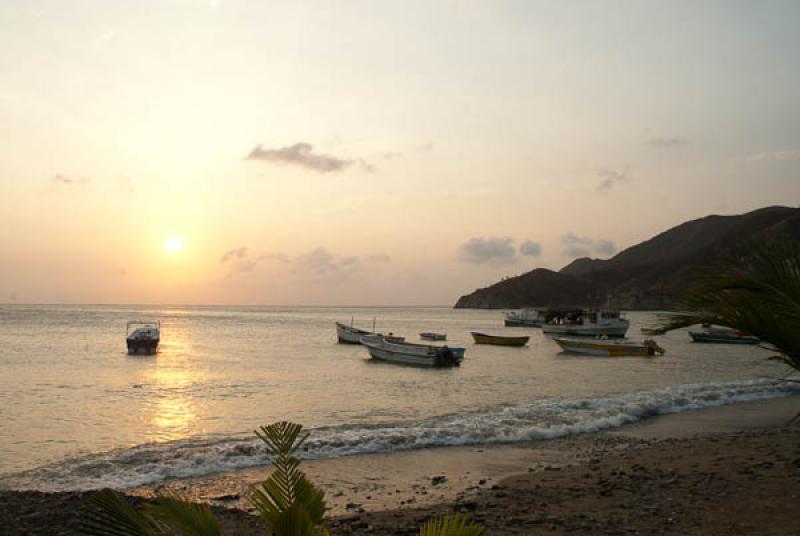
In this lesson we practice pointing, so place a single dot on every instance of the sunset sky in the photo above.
(374, 153)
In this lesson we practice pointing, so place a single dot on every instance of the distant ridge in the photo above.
(649, 275)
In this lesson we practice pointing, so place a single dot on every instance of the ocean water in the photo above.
(77, 412)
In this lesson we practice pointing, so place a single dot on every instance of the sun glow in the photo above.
(173, 244)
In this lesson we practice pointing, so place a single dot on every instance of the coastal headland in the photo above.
(726, 470)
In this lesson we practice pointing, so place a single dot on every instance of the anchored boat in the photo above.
(406, 353)
(430, 336)
(723, 336)
(142, 337)
(352, 335)
(607, 347)
(585, 323)
(525, 318)
(499, 340)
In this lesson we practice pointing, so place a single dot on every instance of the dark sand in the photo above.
(722, 471)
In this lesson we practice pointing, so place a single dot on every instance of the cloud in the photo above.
(379, 257)
(497, 250)
(612, 178)
(127, 184)
(61, 179)
(530, 248)
(583, 246)
(667, 142)
(426, 147)
(391, 154)
(302, 154)
(236, 253)
(785, 155)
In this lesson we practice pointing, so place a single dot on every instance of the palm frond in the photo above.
(452, 525)
(183, 517)
(114, 515)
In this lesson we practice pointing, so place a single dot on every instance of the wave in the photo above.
(534, 420)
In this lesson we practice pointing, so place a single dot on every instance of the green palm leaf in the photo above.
(455, 525)
(114, 515)
(184, 518)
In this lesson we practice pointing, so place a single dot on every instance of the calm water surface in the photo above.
(78, 412)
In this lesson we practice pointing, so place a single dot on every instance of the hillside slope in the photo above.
(649, 275)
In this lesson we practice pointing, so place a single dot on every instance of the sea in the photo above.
(77, 412)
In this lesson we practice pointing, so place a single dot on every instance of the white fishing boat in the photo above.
(406, 353)
(352, 335)
(609, 347)
(585, 323)
(525, 318)
(142, 337)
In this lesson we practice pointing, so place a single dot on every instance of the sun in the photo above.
(173, 244)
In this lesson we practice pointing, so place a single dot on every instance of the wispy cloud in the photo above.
(379, 257)
(233, 254)
(530, 248)
(611, 178)
(784, 155)
(667, 143)
(59, 178)
(303, 155)
(583, 246)
(494, 250)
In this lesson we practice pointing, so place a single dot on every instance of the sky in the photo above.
(374, 153)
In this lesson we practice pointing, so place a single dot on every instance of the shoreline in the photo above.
(743, 444)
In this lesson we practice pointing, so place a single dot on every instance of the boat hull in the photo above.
(723, 339)
(350, 335)
(517, 323)
(433, 336)
(142, 346)
(419, 355)
(482, 338)
(608, 348)
(585, 331)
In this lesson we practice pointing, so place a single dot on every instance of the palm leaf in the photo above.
(114, 515)
(452, 525)
(183, 517)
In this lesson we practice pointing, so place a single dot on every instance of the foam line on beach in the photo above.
(534, 420)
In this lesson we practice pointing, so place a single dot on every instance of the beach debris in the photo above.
(441, 479)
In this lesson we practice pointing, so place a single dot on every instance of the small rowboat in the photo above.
(430, 336)
(606, 347)
(500, 340)
(407, 353)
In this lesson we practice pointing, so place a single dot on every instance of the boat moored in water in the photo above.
(406, 353)
(609, 347)
(430, 336)
(721, 335)
(525, 318)
(142, 337)
(499, 340)
(585, 323)
(352, 335)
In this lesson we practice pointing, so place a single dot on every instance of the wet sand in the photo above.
(727, 470)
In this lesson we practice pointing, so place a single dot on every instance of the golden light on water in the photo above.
(173, 244)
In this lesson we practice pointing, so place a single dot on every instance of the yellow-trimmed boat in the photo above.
(606, 347)
(500, 340)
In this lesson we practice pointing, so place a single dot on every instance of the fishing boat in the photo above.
(430, 336)
(723, 336)
(406, 353)
(499, 340)
(525, 318)
(142, 337)
(609, 347)
(352, 335)
(585, 323)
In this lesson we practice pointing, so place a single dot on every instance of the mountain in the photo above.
(650, 275)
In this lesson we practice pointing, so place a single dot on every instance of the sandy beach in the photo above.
(727, 470)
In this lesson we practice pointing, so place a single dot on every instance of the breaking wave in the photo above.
(533, 420)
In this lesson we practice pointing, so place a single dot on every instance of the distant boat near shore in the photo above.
(526, 318)
(405, 353)
(499, 340)
(609, 347)
(142, 337)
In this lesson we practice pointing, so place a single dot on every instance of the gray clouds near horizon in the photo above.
(583, 246)
(496, 250)
(303, 155)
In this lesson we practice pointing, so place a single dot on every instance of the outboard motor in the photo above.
(446, 358)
